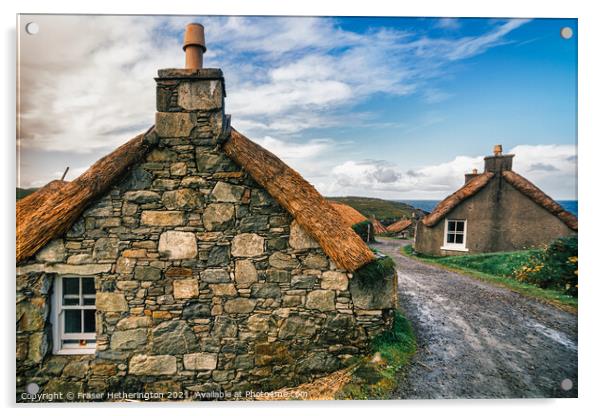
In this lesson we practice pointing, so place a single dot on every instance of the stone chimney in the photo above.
(470, 176)
(498, 162)
(190, 101)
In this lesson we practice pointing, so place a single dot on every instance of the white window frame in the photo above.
(455, 246)
(56, 318)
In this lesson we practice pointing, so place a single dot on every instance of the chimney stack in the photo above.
(498, 162)
(190, 101)
(194, 45)
(470, 176)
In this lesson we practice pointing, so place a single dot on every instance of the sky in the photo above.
(396, 108)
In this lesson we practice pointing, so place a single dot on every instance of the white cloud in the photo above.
(471, 46)
(323, 77)
(449, 23)
(437, 181)
(87, 81)
(288, 151)
(93, 88)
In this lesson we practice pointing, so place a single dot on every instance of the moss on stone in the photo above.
(376, 270)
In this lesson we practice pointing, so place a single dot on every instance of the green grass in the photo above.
(496, 268)
(497, 264)
(386, 211)
(374, 380)
(23, 192)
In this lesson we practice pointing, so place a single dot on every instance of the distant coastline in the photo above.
(428, 205)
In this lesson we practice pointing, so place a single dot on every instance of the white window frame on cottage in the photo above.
(455, 246)
(71, 343)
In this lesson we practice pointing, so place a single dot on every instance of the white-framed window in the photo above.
(74, 315)
(454, 237)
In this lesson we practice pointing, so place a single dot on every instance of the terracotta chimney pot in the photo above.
(474, 171)
(497, 150)
(194, 45)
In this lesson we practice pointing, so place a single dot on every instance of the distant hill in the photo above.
(23, 192)
(386, 211)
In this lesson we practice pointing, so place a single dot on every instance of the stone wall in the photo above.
(204, 283)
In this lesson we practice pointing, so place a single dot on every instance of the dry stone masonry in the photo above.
(204, 283)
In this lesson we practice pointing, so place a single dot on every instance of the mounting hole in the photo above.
(566, 32)
(32, 28)
(566, 384)
(32, 388)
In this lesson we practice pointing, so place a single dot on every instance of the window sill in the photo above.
(75, 351)
(452, 248)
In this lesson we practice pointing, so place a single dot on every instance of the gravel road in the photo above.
(476, 340)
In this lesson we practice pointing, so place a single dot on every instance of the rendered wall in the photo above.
(500, 218)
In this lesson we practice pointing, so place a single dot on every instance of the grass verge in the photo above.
(498, 264)
(376, 377)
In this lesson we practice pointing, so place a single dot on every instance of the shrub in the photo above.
(556, 267)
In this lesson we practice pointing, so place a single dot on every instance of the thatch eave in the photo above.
(49, 212)
(469, 189)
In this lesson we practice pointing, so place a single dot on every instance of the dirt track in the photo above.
(476, 340)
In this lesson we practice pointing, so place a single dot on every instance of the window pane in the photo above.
(460, 226)
(89, 321)
(450, 238)
(88, 286)
(89, 300)
(459, 238)
(70, 300)
(451, 226)
(71, 286)
(73, 321)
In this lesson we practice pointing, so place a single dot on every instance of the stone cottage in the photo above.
(403, 228)
(189, 260)
(497, 210)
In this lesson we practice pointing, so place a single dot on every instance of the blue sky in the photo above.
(397, 108)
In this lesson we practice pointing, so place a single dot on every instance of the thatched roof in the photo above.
(350, 215)
(538, 196)
(34, 199)
(49, 212)
(523, 185)
(317, 217)
(379, 228)
(399, 226)
(469, 189)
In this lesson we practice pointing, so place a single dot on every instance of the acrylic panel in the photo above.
(296, 208)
